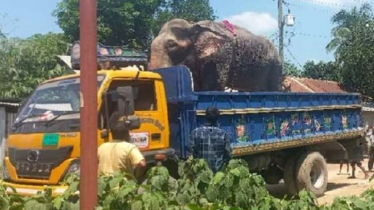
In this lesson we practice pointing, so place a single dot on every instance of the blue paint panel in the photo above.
(304, 100)
(283, 100)
(256, 101)
(223, 101)
(270, 101)
(240, 101)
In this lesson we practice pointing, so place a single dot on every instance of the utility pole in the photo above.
(280, 26)
(88, 113)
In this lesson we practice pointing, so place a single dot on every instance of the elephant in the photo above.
(219, 55)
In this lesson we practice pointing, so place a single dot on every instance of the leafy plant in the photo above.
(232, 188)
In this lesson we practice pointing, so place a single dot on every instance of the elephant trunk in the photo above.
(159, 56)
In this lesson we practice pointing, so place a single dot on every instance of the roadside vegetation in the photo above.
(232, 188)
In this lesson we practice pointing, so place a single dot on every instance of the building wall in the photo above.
(7, 117)
(368, 118)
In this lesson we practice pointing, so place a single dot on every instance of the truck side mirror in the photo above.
(125, 101)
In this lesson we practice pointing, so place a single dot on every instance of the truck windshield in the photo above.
(52, 99)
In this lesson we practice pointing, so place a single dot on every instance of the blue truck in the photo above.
(280, 135)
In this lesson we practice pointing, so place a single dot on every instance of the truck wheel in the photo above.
(273, 175)
(312, 173)
(290, 175)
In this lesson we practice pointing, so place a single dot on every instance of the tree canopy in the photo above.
(353, 46)
(26, 63)
(131, 23)
(321, 70)
(291, 69)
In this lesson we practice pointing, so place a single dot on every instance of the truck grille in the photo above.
(37, 163)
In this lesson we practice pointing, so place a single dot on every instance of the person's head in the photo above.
(118, 128)
(212, 114)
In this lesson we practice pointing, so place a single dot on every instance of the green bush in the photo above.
(232, 188)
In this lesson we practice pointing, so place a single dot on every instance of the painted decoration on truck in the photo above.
(307, 123)
(240, 130)
(317, 125)
(327, 122)
(270, 126)
(284, 128)
(344, 121)
(295, 124)
(141, 140)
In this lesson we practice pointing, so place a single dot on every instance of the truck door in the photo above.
(152, 132)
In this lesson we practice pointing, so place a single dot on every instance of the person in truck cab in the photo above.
(210, 142)
(119, 154)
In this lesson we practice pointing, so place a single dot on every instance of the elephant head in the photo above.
(179, 39)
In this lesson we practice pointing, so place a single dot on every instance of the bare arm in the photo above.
(138, 162)
(140, 169)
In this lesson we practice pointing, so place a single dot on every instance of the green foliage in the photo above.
(321, 70)
(233, 188)
(26, 63)
(190, 10)
(131, 23)
(291, 69)
(353, 46)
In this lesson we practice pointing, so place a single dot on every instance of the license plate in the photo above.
(51, 139)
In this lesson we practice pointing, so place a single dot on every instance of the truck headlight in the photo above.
(74, 167)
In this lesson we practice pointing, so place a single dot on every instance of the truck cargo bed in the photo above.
(261, 121)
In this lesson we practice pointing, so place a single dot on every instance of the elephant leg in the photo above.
(211, 78)
(275, 77)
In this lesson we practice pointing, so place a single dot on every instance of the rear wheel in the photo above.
(273, 175)
(312, 174)
(290, 175)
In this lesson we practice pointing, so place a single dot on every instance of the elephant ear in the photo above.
(207, 42)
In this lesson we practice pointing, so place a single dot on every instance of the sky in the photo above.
(304, 41)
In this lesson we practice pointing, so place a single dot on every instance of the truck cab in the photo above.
(45, 141)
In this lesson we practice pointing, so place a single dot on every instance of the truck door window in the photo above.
(144, 94)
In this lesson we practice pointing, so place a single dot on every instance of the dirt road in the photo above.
(338, 185)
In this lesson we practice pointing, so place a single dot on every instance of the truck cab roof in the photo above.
(130, 73)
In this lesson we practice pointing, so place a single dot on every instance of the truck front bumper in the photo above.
(30, 190)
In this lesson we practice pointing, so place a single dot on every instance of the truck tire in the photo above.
(312, 174)
(273, 175)
(290, 176)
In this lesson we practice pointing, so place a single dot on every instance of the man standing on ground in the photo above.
(210, 142)
(344, 160)
(119, 154)
(356, 156)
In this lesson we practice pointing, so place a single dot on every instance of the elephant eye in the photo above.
(171, 44)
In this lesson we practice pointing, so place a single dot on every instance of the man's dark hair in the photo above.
(118, 128)
(212, 114)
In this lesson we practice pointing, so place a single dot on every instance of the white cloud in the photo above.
(257, 23)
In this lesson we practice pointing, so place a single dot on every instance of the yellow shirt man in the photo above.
(119, 156)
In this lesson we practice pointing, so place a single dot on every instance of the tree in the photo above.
(26, 63)
(291, 70)
(353, 45)
(321, 70)
(131, 23)
(190, 10)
